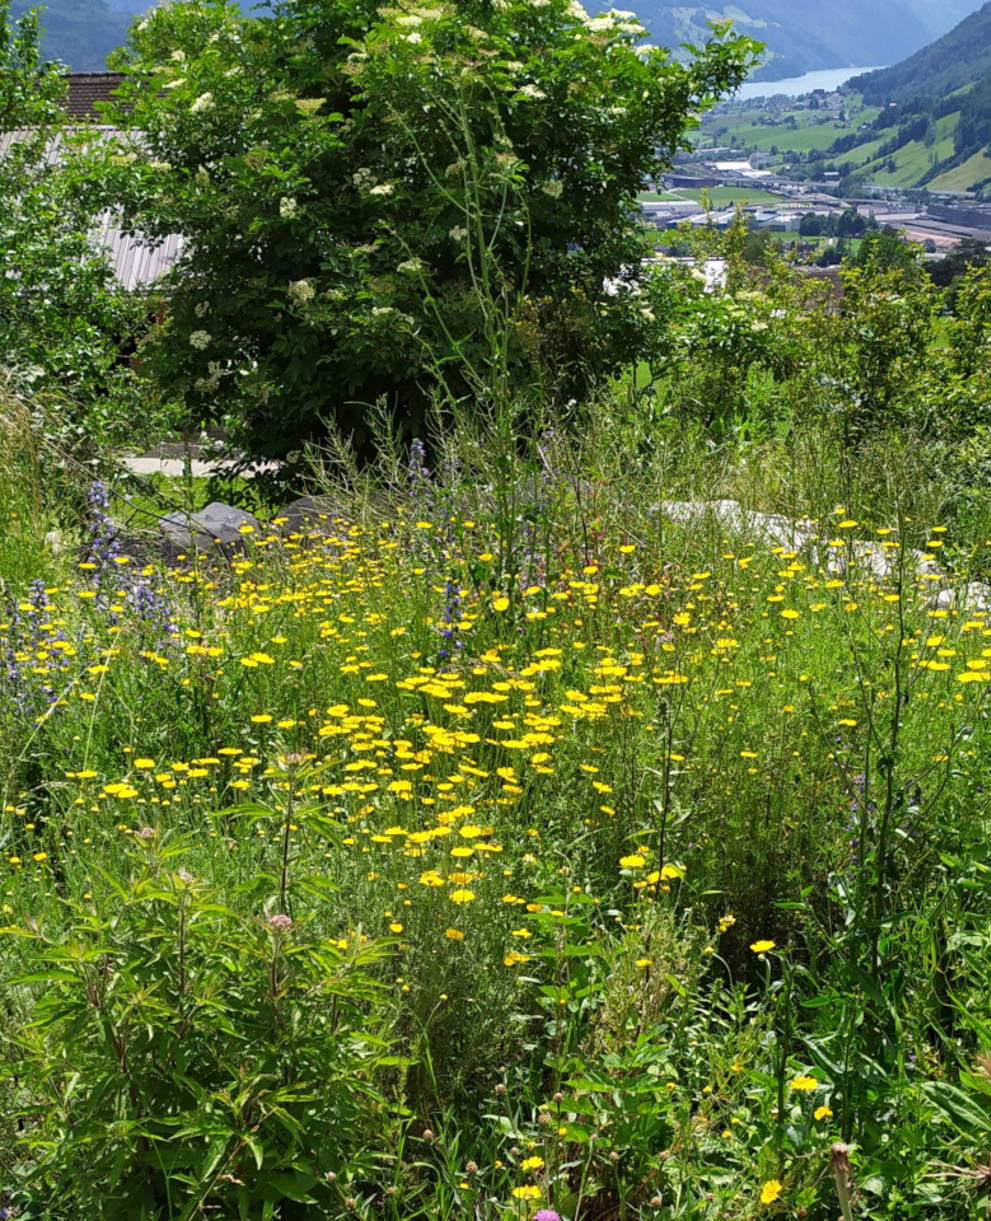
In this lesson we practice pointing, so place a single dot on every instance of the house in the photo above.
(136, 264)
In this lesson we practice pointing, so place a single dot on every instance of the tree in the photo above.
(379, 202)
(61, 318)
(884, 250)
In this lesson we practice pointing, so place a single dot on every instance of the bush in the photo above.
(380, 203)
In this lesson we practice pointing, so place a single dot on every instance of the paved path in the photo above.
(175, 468)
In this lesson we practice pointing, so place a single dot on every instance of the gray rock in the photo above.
(304, 514)
(769, 527)
(217, 524)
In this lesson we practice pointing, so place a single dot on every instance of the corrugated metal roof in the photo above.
(136, 263)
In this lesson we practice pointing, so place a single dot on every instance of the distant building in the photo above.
(85, 90)
(136, 264)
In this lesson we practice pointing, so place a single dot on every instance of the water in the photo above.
(794, 86)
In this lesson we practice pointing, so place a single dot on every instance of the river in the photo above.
(794, 86)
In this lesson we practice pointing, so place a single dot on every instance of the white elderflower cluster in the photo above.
(412, 267)
(199, 340)
(383, 188)
(210, 383)
(202, 309)
(288, 207)
(301, 292)
(531, 91)
(203, 104)
(553, 187)
(458, 233)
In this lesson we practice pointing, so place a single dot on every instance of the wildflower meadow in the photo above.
(557, 860)
(564, 797)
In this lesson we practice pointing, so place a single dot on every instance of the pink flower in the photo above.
(546, 1214)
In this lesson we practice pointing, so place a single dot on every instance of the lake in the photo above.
(794, 86)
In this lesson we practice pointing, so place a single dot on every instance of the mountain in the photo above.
(82, 32)
(953, 62)
(802, 35)
(930, 122)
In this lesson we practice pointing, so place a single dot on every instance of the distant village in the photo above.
(936, 220)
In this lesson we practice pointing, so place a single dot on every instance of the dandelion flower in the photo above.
(770, 1191)
(804, 1084)
(761, 947)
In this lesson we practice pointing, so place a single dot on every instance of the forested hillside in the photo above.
(802, 36)
(81, 32)
(934, 126)
(950, 63)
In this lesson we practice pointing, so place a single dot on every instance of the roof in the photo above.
(136, 262)
(86, 88)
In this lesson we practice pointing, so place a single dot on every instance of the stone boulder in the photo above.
(218, 524)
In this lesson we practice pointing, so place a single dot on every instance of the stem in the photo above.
(284, 879)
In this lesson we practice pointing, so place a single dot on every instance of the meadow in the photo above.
(494, 840)
(574, 808)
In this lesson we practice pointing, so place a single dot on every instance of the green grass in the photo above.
(964, 176)
(723, 197)
(757, 130)
(534, 837)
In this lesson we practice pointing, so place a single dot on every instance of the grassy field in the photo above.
(724, 197)
(789, 131)
(974, 169)
(511, 833)
(779, 136)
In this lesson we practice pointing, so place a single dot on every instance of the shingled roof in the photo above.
(86, 88)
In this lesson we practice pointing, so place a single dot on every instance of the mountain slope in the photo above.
(802, 35)
(952, 62)
(933, 128)
(82, 32)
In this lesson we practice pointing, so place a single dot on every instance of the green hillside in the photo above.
(923, 123)
(953, 61)
(943, 143)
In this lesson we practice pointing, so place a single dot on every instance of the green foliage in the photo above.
(185, 1056)
(64, 324)
(382, 203)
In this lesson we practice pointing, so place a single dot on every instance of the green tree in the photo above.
(62, 318)
(381, 201)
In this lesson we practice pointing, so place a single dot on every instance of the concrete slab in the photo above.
(175, 468)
